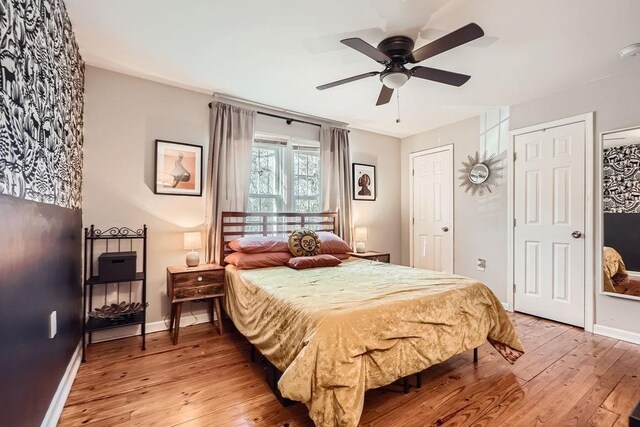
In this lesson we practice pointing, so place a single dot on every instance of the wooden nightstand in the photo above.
(192, 283)
(373, 256)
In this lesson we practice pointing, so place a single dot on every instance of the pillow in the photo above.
(259, 244)
(304, 242)
(341, 256)
(302, 262)
(261, 260)
(332, 243)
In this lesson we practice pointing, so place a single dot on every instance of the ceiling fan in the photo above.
(397, 51)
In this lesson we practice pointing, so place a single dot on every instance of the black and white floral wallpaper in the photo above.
(621, 179)
(42, 96)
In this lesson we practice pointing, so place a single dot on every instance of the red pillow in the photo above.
(341, 256)
(259, 244)
(332, 244)
(302, 262)
(261, 260)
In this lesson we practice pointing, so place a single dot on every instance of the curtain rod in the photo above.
(289, 120)
(228, 98)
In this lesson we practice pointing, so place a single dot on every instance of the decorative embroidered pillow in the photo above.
(302, 262)
(304, 242)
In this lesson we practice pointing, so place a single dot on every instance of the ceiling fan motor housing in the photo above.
(398, 48)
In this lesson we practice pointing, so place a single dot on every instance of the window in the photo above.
(285, 175)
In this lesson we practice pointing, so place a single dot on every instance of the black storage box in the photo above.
(117, 266)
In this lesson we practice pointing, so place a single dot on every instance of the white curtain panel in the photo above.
(231, 146)
(335, 164)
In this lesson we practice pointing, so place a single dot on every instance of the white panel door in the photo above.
(549, 210)
(432, 214)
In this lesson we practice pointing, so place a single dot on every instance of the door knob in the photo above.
(576, 234)
(445, 228)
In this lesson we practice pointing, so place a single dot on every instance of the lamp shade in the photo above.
(361, 234)
(192, 240)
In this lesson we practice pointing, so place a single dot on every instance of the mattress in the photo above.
(336, 332)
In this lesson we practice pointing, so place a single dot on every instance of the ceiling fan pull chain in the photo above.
(398, 98)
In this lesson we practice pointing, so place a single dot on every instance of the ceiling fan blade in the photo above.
(385, 95)
(366, 49)
(454, 39)
(440, 76)
(348, 80)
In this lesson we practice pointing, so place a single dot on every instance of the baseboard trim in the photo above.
(62, 392)
(506, 306)
(162, 325)
(619, 334)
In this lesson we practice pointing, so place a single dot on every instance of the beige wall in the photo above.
(123, 117)
(616, 104)
(479, 221)
(382, 216)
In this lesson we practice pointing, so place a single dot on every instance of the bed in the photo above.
(336, 332)
(614, 269)
(616, 278)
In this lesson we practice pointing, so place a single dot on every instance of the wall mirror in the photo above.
(620, 190)
(479, 173)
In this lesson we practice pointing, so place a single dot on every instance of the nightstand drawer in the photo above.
(380, 258)
(189, 292)
(197, 278)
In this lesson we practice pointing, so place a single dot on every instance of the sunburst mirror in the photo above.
(479, 174)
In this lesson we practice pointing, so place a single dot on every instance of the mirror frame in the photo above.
(600, 217)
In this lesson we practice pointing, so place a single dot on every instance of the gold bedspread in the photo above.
(336, 332)
(613, 265)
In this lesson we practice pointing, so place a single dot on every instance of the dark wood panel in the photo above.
(567, 377)
(191, 292)
(234, 225)
(40, 271)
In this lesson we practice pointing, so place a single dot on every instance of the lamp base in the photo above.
(193, 259)
(360, 247)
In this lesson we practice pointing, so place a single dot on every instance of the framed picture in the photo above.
(364, 182)
(178, 168)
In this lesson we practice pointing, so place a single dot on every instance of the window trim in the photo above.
(285, 202)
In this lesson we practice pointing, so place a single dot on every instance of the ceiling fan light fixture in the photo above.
(395, 80)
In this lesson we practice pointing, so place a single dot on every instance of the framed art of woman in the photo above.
(364, 182)
(178, 168)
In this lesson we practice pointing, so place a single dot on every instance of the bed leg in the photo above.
(419, 380)
(253, 353)
(475, 355)
(405, 384)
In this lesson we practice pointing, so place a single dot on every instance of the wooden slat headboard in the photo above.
(238, 224)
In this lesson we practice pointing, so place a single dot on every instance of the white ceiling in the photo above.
(277, 51)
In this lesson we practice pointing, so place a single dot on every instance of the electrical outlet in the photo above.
(481, 264)
(53, 324)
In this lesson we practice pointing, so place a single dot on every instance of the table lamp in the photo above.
(360, 238)
(193, 241)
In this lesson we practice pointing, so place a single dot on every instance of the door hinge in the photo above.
(514, 288)
(514, 156)
(514, 222)
(413, 172)
(413, 221)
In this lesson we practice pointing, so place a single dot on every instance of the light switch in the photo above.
(482, 264)
(53, 324)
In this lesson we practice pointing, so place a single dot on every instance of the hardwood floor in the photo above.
(567, 377)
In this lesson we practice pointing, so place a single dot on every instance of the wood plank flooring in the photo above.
(567, 377)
